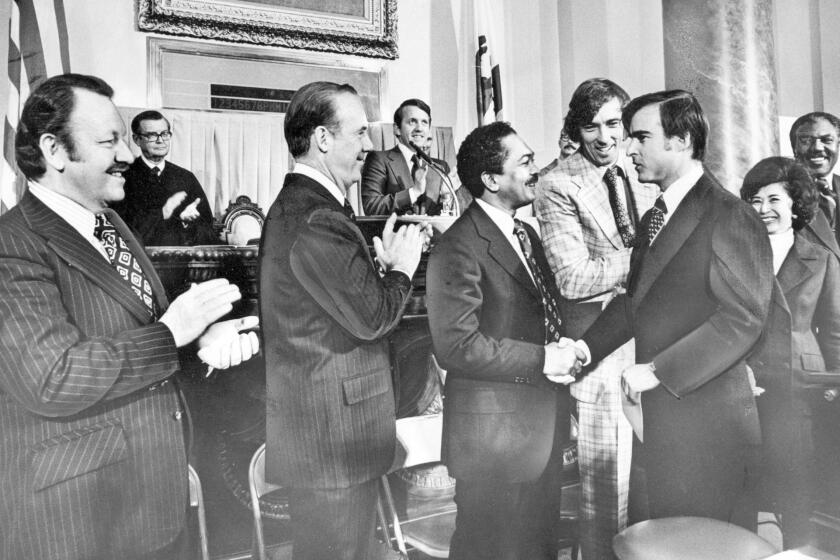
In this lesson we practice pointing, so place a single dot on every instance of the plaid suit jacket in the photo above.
(578, 230)
(92, 459)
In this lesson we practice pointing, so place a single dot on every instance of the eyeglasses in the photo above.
(806, 140)
(155, 136)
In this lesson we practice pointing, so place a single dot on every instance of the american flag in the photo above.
(37, 49)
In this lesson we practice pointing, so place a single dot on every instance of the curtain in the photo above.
(233, 154)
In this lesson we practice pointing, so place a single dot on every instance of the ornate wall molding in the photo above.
(265, 23)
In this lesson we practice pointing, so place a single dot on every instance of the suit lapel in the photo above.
(499, 248)
(672, 236)
(78, 253)
(800, 264)
(400, 167)
(593, 195)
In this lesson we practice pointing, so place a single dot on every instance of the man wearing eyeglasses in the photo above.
(815, 138)
(164, 203)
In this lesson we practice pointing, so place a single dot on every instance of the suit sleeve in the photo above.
(454, 299)
(376, 200)
(577, 272)
(741, 280)
(331, 261)
(827, 318)
(50, 366)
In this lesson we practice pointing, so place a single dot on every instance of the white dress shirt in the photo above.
(781, 244)
(80, 218)
(160, 165)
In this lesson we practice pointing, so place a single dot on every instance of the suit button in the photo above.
(177, 415)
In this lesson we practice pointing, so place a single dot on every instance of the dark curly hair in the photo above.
(482, 152)
(587, 100)
(811, 118)
(798, 184)
(47, 111)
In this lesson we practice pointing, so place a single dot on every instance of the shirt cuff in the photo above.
(583, 347)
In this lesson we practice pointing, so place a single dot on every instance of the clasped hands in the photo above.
(193, 315)
(563, 361)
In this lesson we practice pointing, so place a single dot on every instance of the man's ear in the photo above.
(489, 181)
(54, 153)
(681, 143)
(396, 130)
(322, 138)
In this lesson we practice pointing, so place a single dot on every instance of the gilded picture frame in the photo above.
(357, 27)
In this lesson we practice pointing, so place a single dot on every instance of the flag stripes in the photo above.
(38, 48)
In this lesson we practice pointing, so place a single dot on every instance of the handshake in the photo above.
(563, 361)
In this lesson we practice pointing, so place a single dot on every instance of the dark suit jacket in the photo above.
(92, 460)
(501, 416)
(802, 334)
(386, 179)
(696, 303)
(325, 313)
(819, 230)
(145, 196)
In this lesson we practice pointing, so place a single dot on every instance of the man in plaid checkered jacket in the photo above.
(589, 207)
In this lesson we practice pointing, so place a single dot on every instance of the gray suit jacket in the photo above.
(92, 459)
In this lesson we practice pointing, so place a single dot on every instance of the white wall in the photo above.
(553, 46)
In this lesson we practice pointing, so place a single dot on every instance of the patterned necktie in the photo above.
(348, 210)
(654, 219)
(552, 315)
(829, 199)
(620, 214)
(124, 261)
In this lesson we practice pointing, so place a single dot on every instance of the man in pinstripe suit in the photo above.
(587, 226)
(326, 312)
(92, 459)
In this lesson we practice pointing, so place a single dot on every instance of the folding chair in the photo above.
(197, 501)
(258, 487)
(430, 532)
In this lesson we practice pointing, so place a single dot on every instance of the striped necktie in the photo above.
(551, 313)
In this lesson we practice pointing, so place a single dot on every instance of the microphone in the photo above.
(447, 182)
(420, 152)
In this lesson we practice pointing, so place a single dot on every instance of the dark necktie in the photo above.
(415, 166)
(552, 315)
(619, 210)
(156, 171)
(348, 210)
(124, 261)
(828, 199)
(654, 219)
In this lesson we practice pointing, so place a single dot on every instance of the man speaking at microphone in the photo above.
(400, 179)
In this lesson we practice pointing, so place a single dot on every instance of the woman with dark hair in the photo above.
(802, 336)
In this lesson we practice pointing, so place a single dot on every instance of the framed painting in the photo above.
(357, 27)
